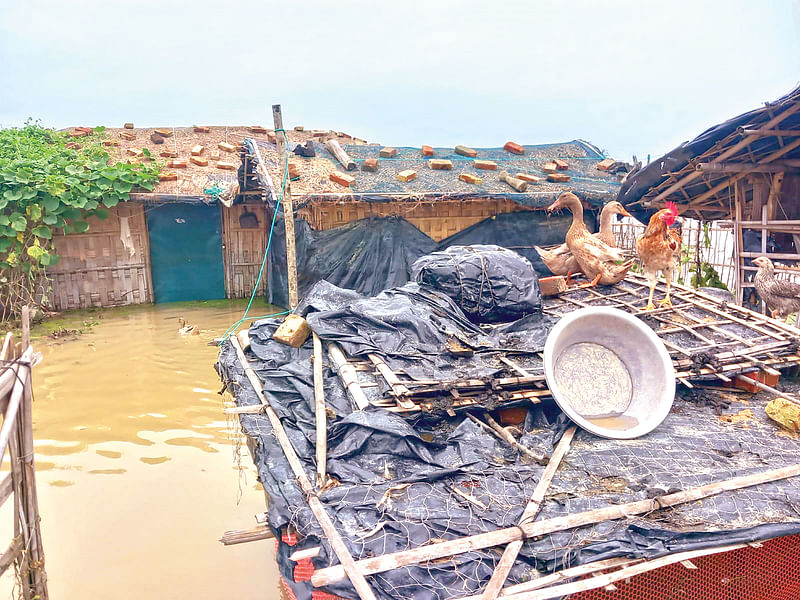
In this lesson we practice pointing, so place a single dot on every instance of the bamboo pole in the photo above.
(400, 390)
(511, 552)
(480, 541)
(315, 504)
(598, 581)
(288, 207)
(348, 375)
(500, 433)
(321, 416)
(21, 370)
(242, 536)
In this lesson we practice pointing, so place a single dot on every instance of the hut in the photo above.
(201, 233)
(352, 195)
(744, 171)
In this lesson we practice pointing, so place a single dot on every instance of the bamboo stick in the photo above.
(598, 581)
(321, 416)
(347, 373)
(766, 388)
(288, 208)
(495, 429)
(511, 552)
(400, 390)
(242, 536)
(420, 554)
(315, 504)
(11, 554)
(21, 371)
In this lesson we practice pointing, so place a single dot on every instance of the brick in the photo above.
(342, 179)
(553, 286)
(110, 143)
(528, 178)
(558, 177)
(128, 126)
(486, 165)
(177, 164)
(77, 134)
(370, 164)
(200, 161)
(514, 148)
(427, 151)
(198, 150)
(156, 138)
(271, 136)
(73, 146)
(604, 164)
(225, 146)
(550, 167)
(257, 129)
(133, 161)
(134, 152)
(88, 130)
(226, 166)
(168, 176)
(407, 175)
(202, 129)
(125, 135)
(440, 164)
(561, 164)
(164, 131)
(470, 178)
(344, 135)
(293, 170)
(318, 133)
(388, 152)
(762, 376)
(465, 151)
(168, 154)
(215, 155)
(299, 128)
(359, 141)
(294, 331)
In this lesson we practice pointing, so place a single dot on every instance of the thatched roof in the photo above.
(700, 174)
(313, 181)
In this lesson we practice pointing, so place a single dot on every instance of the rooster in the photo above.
(657, 249)
(781, 297)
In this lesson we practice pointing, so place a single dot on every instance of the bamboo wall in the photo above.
(436, 218)
(97, 270)
(243, 249)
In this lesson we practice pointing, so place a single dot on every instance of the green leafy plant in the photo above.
(49, 189)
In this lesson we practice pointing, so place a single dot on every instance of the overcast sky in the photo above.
(631, 77)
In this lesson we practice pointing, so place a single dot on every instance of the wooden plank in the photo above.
(480, 541)
(400, 390)
(320, 414)
(503, 567)
(315, 504)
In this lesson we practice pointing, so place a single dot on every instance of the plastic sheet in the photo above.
(489, 283)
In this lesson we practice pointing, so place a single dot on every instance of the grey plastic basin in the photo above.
(609, 372)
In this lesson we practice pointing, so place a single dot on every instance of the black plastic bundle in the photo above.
(491, 284)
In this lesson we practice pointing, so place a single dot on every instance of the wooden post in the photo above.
(26, 326)
(288, 207)
(321, 417)
(503, 568)
(737, 244)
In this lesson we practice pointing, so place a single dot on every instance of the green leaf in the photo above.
(5, 244)
(123, 187)
(101, 213)
(28, 193)
(50, 219)
(74, 169)
(50, 203)
(110, 201)
(13, 195)
(19, 224)
(80, 226)
(44, 259)
(146, 152)
(43, 232)
(100, 129)
(90, 205)
(54, 258)
(4, 220)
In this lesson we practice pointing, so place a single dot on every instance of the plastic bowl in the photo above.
(609, 372)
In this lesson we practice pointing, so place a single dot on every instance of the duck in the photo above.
(603, 264)
(185, 329)
(560, 260)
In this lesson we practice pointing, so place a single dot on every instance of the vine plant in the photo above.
(49, 189)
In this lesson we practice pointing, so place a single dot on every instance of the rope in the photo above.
(232, 329)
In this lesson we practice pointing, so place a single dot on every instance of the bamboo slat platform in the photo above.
(706, 337)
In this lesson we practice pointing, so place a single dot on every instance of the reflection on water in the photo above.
(134, 462)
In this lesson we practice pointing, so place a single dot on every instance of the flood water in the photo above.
(137, 465)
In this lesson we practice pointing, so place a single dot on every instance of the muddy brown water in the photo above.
(136, 463)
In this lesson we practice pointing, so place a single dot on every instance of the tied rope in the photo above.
(232, 329)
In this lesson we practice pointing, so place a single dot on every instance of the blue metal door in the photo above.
(186, 252)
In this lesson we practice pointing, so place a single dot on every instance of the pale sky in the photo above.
(630, 77)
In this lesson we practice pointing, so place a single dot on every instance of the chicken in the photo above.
(656, 248)
(599, 262)
(781, 297)
(560, 260)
